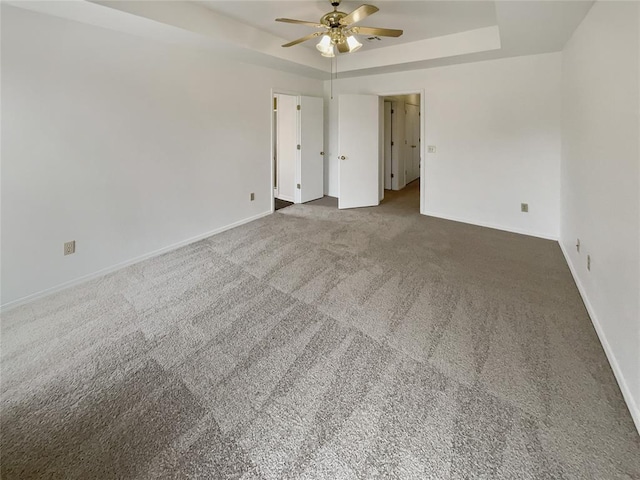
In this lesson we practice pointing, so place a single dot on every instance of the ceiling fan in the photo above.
(338, 30)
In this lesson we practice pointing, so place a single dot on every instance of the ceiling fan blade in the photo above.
(301, 22)
(383, 32)
(343, 47)
(363, 11)
(303, 39)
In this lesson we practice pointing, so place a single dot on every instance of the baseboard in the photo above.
(105, 271)
(490, 225)
(626, 392)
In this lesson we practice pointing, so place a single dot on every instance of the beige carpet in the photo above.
(317, 343)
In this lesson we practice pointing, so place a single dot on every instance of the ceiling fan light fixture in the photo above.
(324, 44)
(328, 53)
(354, 44)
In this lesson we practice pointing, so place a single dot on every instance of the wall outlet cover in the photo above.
(524, 207)
(431, 149)
(70, 247)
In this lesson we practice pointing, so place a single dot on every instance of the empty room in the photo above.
(320, 240)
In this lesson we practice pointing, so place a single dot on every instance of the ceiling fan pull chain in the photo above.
(331, 78)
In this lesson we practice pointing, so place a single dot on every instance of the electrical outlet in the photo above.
(524, 207)
(578, 245)
(253, 197)
(70, 247)
(589, 262)
(431, 149)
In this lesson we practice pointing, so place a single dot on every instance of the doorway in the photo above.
(365, 135)
(402, 141)
(285, 133)
(297, 149)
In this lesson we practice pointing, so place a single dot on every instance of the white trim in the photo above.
(423, 153)
(491, 225)
(272, 160)
(624, 388)
(102, 272)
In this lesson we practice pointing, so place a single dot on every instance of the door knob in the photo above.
(413, 146)
(342, 157)
(321, 153)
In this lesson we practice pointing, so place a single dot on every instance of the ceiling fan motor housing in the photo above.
(332, 19)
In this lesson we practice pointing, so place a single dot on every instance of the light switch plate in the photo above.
(431, 149)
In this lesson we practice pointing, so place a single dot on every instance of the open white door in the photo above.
(388, 173)
(286, 151)
(311, 160)
(358, 154)
(412, 161)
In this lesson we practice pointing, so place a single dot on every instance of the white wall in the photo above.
(496, 126)
(601, 180)
(123, 144)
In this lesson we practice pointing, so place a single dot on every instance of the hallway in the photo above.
(407, 199)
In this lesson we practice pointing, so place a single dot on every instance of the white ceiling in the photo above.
(419, 20)
(435, 32)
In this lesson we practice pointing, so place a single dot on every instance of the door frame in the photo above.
(420, 92)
